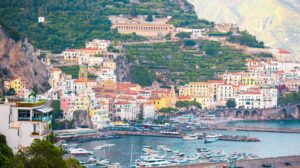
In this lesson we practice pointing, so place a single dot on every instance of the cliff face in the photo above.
(19, 59)
(273, 21)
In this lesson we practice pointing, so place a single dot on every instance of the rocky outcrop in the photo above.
(20, 59)
(123, 69)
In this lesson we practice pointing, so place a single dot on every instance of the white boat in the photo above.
(154, 162)
(170, 132)
(211, 138)
(190, 137)
(80, 151)
(99, 147)
(102, 162)
(164, 148)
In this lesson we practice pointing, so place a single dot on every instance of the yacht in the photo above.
(190, 137)
(80, 151)
(99, 147)
(211, 138)
(152, 162)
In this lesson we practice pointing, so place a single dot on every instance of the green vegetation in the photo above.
(219, 34)
(189, 43)
(183, 35)
(186, 104)
(181, 65)
(55, 104)
(141, 76)
(39, 154)
(69, 23)
(231, 103)
(246, 39)
(6, 154)
(289, 98)
(168, 110)
(149, 18)
(211, 48)
(71, 70)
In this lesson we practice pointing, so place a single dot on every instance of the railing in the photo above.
(48, 118)
(23, 118)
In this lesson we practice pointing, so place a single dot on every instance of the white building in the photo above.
(99, 44)
(125, 110)
(21, 125)
(41, 19)
(148, 111)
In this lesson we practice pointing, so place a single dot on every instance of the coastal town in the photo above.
(91, 96)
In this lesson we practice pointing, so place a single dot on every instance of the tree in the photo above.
(141, 114)
(133, 12)
(168, 110)
(11, 92)
(231, 103)
(141, 75)
(183, 35)
(44, 153)
(149, 18)
(189, 42)
(6, 154)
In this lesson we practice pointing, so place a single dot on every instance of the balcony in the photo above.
(44, 118)
(23, 118)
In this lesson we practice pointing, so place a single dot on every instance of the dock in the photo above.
(158, 134)
(256, 129)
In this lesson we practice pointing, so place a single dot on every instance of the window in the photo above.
(23, 115)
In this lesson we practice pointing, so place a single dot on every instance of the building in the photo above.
(41, 19)
(148, 110)
(224, 93)
(226, 27)
(125, 110)
(23, 122)
(99, 44)
(195, 33)
(140, 26)
(19, 85)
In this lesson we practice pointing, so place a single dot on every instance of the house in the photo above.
(23, 122)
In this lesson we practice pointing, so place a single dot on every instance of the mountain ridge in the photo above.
(268, 20)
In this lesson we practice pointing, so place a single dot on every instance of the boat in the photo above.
(102, 162)
(211, 138)
(153, 162)
(164, 148)
(192, 158)
(99, 147)
(80, 151)
(170, 132)
(190, 137)
(92, 159)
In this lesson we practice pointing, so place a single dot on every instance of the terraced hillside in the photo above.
(70, 23)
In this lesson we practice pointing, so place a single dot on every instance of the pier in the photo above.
(158, 134)
(281, 130)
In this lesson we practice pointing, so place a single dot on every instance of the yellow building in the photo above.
(160, 102)
(17, 84)
(250, 81)
(196, 89)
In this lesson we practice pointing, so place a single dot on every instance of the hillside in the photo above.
(181, 62)
(273, 21)
(18, 59)
(70, 23)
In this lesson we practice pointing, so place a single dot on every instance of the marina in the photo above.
(270, 145)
